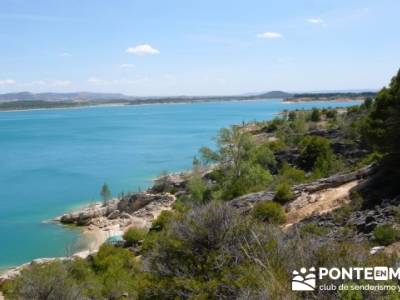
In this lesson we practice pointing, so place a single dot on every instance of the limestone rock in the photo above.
(113, 215)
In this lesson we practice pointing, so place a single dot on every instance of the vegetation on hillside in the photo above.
(206, 249)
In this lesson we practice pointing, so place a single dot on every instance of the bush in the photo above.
(196, 187)
(283, 193)
(253, 178)
(385, 234)
(44, 281)
(163, 219)
(315, 115)
(331, 114)
(341, 214)
(268, 211)
(265, 157)
(291, 174)
(134, 235)
(312, 229)
(316, 152)
(292, 116)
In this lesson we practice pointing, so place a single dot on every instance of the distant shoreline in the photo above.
(116, 104)
(59, 108)
(141, 103)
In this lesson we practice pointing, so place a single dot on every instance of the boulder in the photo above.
(134, 202)
(114, 214)
(125, 216)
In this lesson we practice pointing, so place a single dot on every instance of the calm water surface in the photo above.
(54, 160)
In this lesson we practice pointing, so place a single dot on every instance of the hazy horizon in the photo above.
(197, 95)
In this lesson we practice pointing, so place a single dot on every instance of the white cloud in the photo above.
(270, 35)
(7, 82)
(38, 82)
(65, 54)
(127, 66)
(315, 21)
(61, 82)
(49, 83)
(105, 82)
(97, 81)
(144, 49)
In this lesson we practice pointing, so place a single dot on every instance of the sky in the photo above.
(191, 47)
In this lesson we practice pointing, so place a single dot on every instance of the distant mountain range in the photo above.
(107, 97)
(79, 96)
(27, 100)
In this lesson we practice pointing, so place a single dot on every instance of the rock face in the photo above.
(136, 201)
(246, 202)
(333, 181)
(83, 217)
(348, 151)
(115, 211)
(359, 225)
(177, 181)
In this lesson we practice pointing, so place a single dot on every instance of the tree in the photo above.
(234, 147)
(368, 102)
(105, 192)
(382, 125)
(292, 115)
(241, 163)
(316, 152)
(196, 187)
(315, 115)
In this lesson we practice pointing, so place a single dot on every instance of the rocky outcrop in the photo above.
(318, 202)
(117, 211)
(291, 156)
(333, 181)
(177, 181)
(246, 202)
(83, 216)
(357, 225)
(136, 201)
(302, 191)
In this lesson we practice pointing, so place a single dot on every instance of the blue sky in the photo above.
(192, 47)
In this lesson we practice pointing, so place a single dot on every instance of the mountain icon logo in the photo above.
(305, 280)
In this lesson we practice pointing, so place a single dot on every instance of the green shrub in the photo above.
(316, 154)
(331, 114)
(265, 157)
(196, 187)
(268, 211)
(312, 229)
(385, 234)
(342, 213)
(291, 174)
(163, 219)
(283, 193)
(315, 115)
(134, 235)
(253, 178)
(370, 158)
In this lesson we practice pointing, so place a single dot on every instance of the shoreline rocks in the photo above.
(104, 220)
(113, 212)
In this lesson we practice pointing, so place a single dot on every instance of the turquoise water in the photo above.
(54, 160)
